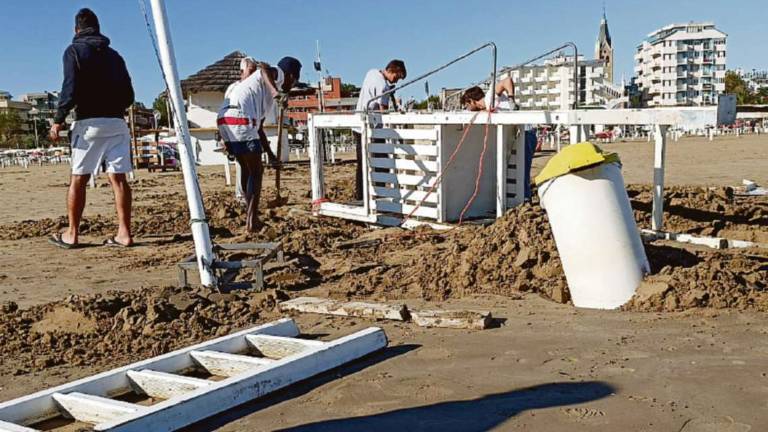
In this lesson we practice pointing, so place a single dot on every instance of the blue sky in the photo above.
(356, 35)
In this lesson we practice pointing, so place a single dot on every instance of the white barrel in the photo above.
(596, 235)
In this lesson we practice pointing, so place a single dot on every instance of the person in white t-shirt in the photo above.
(376, 83)
(475, 99)
(241, 122)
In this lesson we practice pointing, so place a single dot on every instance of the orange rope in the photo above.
(448, 164)
(479, 171)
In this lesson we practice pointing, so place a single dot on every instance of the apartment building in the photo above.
(541, 87)
(8, 105)
(755, 79)
(302, 103)
(682, 64)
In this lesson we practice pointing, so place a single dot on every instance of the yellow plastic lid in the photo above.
(573, 158)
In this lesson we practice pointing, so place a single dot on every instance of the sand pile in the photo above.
(705, 211)
(515, 254)
(117, 328)
(702, 279)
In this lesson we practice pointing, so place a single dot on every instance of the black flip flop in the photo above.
(56, 240)
(112, 242)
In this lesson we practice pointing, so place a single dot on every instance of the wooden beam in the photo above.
(275, 347)
(226, 364)
(397, 312)
(11, 427)
(41, 406)
(164, 385)
(456, 319)
(94, 409)
(194, 406)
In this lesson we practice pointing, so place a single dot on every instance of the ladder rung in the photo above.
(12, 427)
(94, 409)
(277, 347)
(225, 364)
(164, 385)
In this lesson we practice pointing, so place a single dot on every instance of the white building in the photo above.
(541, 86)
(682, 64)
(755, 79)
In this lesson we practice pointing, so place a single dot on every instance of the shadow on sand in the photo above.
(298, 389)
(472, 415)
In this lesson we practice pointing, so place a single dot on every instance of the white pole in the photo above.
(200, 235)
(659, 154)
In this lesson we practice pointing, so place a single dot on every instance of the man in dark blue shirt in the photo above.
(97, 86)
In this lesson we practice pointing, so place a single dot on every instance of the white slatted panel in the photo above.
(404, 149)
(403, 179)
(405, 194)
(404, 164)
(409, 134)
(392, 207)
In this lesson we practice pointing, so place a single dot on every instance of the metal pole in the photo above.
(34, 121)
(200, 234)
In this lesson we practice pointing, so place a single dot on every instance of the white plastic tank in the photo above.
(593, 225)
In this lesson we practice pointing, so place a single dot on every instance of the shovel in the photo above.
(279, 200)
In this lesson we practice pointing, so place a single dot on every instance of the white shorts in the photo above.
(100, 139)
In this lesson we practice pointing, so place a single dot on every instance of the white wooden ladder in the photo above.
(190, 384)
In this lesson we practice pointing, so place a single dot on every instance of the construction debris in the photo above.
(456, 319)
(398, 312)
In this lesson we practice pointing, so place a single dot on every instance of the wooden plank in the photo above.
(226, 364)
(173, 414)
(41, 406)
(405, 164)
(164, 385)
(398, 312)
(358, 213)
(404, 149)
(405, 209)
(11, 427)
(405, 194)
(94, 409)
(404, 179)
(457, 319)
(275, 347)
(404, 134)
(388, 220)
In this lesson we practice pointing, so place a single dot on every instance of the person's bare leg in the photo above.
(123, 201)
(75, 207)
(255, 175)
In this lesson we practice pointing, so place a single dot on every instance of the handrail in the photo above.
(438, 69)
(529, 61)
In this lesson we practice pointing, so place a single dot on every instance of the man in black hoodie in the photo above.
(97, 86)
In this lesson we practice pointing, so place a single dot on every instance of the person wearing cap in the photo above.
(376, 83)
(241, 122)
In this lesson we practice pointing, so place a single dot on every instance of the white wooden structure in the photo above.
(405, 153)
(244, 366)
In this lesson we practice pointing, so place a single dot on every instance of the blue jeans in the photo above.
(239, 148)
(530, 149)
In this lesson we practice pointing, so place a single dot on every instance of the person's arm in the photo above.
(506, 86)
(265, 143)
(266, 73)
(67, 95)
(128, 94)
